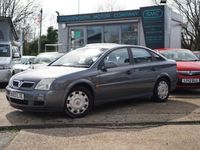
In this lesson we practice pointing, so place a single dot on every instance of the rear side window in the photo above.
(4, 50)
(157, 57)
(141, 56)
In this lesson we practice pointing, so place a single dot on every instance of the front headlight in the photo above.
(44, 84)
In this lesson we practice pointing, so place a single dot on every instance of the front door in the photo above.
(115, 82)
(77, 37)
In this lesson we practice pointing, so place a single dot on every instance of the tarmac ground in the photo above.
(133, 124)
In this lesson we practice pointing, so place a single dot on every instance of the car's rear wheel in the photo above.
(161, 90)
(78, 102)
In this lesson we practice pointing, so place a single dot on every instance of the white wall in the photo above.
(62, 37)
(173, 27)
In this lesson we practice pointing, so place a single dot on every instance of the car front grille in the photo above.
(26, 102)
(189, 73)
(22, 84)
(38, 103)
(17, 101)
(27, 85)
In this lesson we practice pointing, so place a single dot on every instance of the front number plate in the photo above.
(190, 80)
(17, 95)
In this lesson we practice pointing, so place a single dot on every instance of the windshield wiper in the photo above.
(77, 66)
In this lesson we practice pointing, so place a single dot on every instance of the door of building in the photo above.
(77, 37)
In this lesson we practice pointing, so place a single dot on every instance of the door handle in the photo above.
(128, 72)
(153, 69)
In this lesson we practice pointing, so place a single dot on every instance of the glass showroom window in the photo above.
(94, 34)
(111, 33)
(129, 33)
(77, 38)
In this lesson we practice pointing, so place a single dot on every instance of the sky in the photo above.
(68, 7)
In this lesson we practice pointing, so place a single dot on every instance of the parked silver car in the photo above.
(44, 59)
(91, 75)
(23, 64)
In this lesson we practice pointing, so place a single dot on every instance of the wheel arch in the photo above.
(84, 83)
(86, 86)
(164, 76)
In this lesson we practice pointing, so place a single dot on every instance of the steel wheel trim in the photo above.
(163, 90)
(77, 102)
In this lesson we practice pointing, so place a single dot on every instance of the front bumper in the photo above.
(5, 75)
(180, 84)
(36, 100)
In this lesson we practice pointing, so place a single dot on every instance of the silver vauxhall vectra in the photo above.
(94, 74)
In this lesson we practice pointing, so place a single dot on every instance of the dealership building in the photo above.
(153, 27)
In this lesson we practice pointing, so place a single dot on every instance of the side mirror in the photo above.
(107, 65)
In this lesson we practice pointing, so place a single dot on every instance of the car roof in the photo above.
(102, 45)
(163, 49)
(50, 54)
(27, 56)
(111, 45)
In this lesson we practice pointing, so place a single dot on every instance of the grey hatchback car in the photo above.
(94, 74)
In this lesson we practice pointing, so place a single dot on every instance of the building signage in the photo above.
(99, 16)
(152, 14)
(152, 20)
(153, 25)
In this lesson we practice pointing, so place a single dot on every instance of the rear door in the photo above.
(145, 70)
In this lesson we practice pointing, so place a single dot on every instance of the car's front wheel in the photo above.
(161, 90)
(78, 102)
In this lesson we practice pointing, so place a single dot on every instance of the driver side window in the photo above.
(120, 57)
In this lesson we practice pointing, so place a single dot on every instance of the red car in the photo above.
(197, 53)
(188, 66)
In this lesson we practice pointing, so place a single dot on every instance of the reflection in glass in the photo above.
(111, 33)
(129, 33)
(94, 34)
(81, 57)
(4, 50)
(77, 38)
(179, 55)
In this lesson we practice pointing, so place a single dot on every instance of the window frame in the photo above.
(148, 51)
(154, 58)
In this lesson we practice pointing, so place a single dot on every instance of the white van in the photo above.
(9, 54)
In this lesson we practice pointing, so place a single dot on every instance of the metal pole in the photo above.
(78, 6)
(39, 40)
(22, 40)
(0, 8)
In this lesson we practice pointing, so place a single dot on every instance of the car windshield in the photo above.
(46, 58)
(24, 60)
(82, 57)
(179, 55)
(197, 53)
(4, 50)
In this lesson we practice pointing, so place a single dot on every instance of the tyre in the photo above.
(161, 90)
(79, 102)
